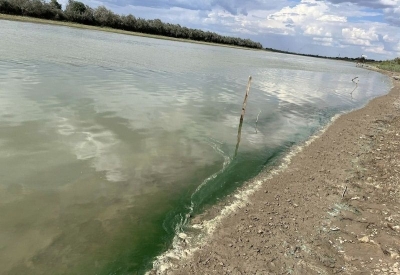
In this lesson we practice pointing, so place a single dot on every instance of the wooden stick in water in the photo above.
(354, 80)
(245, 100)
(344, 192)
(257, 120)
(241, 116)
(238, 137)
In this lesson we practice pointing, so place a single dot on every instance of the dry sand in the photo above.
(334, 210)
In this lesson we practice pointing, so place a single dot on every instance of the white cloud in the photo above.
(323, 27)
(397, 48)
(393, 15)
(327, 25)
(332, 18)
(379, 49)
(358, 36)
(374, 4)
(305, 15)
(305, 11)
(316, 30)
(388, 38)
(325, 41)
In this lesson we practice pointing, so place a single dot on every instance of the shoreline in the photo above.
(334, 208)
(34, 20)
(185, 245)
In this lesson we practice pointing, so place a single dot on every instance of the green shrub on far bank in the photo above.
(390, 65)
(78, 12)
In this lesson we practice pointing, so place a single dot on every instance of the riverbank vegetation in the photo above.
(78, 12)
(389, 65)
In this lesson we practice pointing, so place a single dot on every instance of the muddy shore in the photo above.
(334, 210)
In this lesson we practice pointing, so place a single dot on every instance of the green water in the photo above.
(107, 141)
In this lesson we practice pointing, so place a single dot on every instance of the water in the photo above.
(107, 141)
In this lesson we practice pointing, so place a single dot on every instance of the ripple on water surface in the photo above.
(105, 149)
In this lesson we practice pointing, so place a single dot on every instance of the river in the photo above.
(108, 141)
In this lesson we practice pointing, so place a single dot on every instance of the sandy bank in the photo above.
(335, 209)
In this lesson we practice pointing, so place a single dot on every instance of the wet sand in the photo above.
(334, 210)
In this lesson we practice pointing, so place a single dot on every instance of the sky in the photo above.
(325, 27)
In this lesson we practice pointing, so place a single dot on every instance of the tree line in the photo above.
(78, 12)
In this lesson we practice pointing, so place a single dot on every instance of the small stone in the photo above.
(364, 239)
(394, 255)
(393, 227)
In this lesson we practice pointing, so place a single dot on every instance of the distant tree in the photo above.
(9, 7)
(128, 22)
(105, 17)
(75, 7)
(76, 11)
(141, 25)
(55, 4)
(157, 26)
